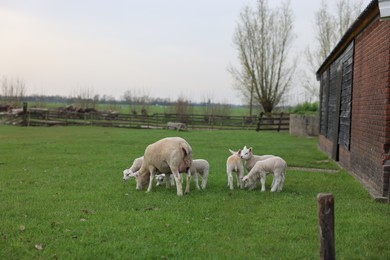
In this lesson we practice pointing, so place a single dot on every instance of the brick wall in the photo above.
(370, 131)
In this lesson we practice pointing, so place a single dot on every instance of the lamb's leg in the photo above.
(188, 181)
(196, 179)
(240, 176)
(205, 176)
(172, 179)
(262, 180)
(273, 182)
(280, 188)
(167, 180)
(277, 178)
(230, 179)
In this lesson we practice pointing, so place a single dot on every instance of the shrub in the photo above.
(306, 108)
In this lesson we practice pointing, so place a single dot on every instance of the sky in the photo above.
(162, 49)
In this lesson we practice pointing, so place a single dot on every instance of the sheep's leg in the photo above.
(151, 178)
(262, 180)
(172, 179)
(188, 181)
(179, 187)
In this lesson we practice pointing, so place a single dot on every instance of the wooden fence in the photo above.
(45, 117)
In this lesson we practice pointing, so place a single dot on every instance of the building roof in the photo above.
(368, 14)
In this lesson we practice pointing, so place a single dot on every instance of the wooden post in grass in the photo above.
(325, 203)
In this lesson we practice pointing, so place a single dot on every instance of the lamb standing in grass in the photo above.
(128, 173)
(276, 165)
(168, 155)
(234, 164)
(199, 167)
(251, 159)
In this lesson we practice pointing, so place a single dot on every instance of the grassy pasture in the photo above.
(62, 196)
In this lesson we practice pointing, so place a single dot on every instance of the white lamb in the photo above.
(199, 167)
(234, 164)
(251, 159)
(168, 155)
(160, 179)
(137, 163)
(275, 165)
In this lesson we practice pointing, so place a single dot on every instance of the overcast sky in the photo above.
(164, 49)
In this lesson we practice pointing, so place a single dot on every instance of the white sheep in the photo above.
(234, 164)
(275, 165)
(251, 159)
(137, 163)
(168, 155)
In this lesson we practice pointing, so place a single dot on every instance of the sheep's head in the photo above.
(127, 174)
(142, 179)
(246, 153)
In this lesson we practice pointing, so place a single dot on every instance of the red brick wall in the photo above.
(370, 131)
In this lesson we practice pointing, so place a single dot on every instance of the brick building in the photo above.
(355, 101)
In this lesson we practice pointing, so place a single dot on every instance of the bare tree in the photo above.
(329, 30)
(84, 98)
(13, 90)
(263, 38)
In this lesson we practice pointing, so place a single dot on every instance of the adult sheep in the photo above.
(168, 155)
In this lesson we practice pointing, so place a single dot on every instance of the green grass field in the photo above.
(62, 196)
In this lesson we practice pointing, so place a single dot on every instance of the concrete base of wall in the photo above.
(304, 125)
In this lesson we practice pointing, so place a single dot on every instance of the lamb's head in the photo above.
(238, 153)
(248, 183)
(160, 179)
(127, 174)
(246, 153)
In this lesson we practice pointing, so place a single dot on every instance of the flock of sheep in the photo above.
(168, 157)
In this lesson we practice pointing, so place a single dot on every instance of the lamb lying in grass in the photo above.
(168, 155)
(251, 159)
(275, 165)
(234, 164)
(199, 167)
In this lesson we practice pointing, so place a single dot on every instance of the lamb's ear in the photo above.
(239, 152)
(231, 151)
(245, 148)
(250, 149)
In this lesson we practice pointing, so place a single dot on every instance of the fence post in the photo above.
(25, 116)
(259, 123)
(280, 121)
(325, 203)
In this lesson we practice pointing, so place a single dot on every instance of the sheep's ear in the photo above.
(231, 151)
(245, 147)
(239, 152)
(250, 149)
